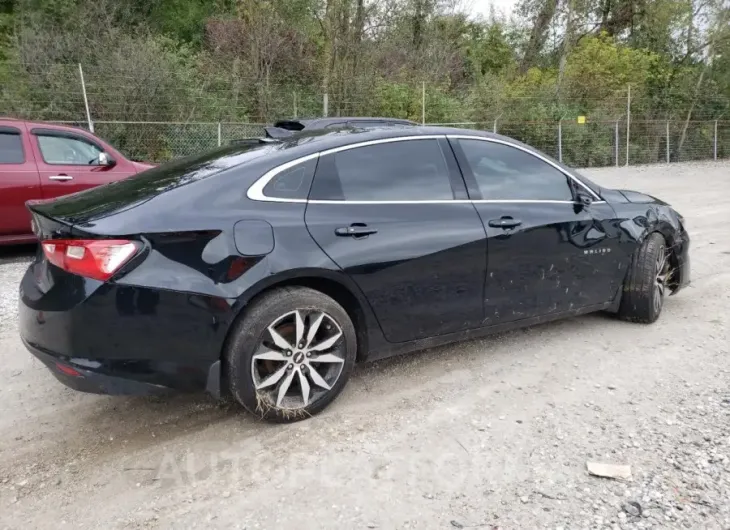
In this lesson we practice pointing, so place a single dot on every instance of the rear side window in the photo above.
(292, 183)
(412, 170)
(503, 172)
(11, 149)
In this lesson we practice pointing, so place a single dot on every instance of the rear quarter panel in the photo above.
(208, 259)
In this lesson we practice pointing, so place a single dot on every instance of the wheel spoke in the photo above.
(313, 329)
(327, 358)
(300, 328)
(299, 340)
(317, 379)
(304, 383)
(284, 387)
(328, 343)
(279, 340)
(272, 379)
(269, 356)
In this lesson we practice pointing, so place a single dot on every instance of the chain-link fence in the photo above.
(590, 144)
(170, 117)
(597, 144)
(159, 141)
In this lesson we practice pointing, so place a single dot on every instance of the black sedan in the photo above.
(267, 269)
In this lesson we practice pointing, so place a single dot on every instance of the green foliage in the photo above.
(259, 60)
(487, 49)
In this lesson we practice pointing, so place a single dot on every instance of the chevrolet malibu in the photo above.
(268, 269)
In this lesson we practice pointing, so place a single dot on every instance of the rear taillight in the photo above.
(93, 258)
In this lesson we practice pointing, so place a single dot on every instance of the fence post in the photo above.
(325, 104)
(615, 144)
(494, 129)
(423, 104)
(560, 141)
(295, 104)
(628, 123)
(219, 134)
(86, 100)
(667, 141)
(714, 149)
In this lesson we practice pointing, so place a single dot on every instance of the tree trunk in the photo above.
(567, 43)
(418, 23)
(537, 36)
(329, 44)
(720, 23)
(683, 136)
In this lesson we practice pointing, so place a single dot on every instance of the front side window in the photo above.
(411, 170)
(11, 149)
(503, 172)
(65, 150)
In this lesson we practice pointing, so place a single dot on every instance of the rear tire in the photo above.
(291, 354)
(645, 284)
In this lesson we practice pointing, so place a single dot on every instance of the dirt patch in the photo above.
(489, 433)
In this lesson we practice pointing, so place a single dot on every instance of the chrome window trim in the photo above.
(382, 141)
(536, 155)
(256, 190)
(452, 201)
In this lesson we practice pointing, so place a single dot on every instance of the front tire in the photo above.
(646, 282)
(291, 354)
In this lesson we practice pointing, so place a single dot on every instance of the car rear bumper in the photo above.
(121, 340)
(86, 380)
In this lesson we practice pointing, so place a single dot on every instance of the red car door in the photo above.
(70, 161)
(19, 180)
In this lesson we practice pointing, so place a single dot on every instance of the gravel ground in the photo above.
(491, 433)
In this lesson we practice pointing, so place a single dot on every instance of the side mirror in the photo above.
(106, 160)
(584, 199)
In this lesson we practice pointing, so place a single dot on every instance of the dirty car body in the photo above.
(469, 241)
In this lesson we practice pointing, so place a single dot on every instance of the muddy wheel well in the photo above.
(673, 281)
(339, 294)
(346, 299)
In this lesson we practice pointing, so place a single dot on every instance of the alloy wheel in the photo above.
(660, 279)
(299, 359)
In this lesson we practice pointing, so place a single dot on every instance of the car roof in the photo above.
(15, 122)
(305, 143)
(320, 123)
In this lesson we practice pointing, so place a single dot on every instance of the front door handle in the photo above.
(355, 230)
(505, 222)
(60, 177)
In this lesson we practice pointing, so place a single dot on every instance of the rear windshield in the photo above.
(124, 194)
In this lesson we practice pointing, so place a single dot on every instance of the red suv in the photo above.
(42, 161)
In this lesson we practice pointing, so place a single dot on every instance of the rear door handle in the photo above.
(60, 177)
(355, 230)
(505, 222)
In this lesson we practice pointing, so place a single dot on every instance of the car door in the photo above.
(393, 215)
(548, 252)
(69, 162)
(19, 181)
